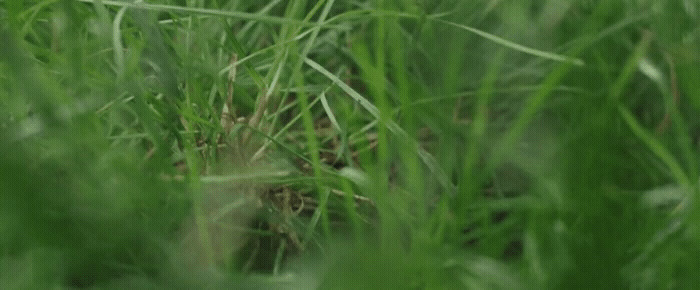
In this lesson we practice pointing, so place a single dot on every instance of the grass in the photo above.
(349, 144)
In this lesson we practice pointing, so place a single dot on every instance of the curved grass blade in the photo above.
(204, 11)
(513, 45)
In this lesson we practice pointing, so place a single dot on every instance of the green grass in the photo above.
(349, 144)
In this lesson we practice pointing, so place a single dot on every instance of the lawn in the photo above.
(403, 144)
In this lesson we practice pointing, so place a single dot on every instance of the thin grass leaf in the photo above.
(355, 223)
(670, 101)
(197, 206)
(278, 257)
(630, 67)
(248, 57)
(655, 146)
(117, 41)
(329, 112)
(315, 218)
(533, 105)
(513, 45)
(251, 71)
(470, 182)
(307, 119)
(352, 93)
(204, 11)
(240, 177)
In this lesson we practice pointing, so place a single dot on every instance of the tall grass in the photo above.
(349, 144)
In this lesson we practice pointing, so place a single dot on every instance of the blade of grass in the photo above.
(378, 82)
(518, 89)
(248, 57)
(282, 130)
(471, 180)
(355, 224)
(533, 105)
(240, 177)
(117, 41)
(316, 217)
(257, 78)
(630, 67)
(426, 157)
(274, 140)
(375, 75)
(278, 257)
(513, 45)
(670, 97)
(308, 122)
(192, 162)
(265, 10)
(655, 146)
(652, 143)
(204, 11)
(399, 72)
(328, 110)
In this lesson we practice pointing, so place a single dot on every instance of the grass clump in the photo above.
(335, 144)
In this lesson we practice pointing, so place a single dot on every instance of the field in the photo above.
(398, 144)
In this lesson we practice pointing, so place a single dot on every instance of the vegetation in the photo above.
(349, 144)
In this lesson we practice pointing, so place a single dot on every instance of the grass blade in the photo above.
(655, 146)
(513, 45)
(427, 158)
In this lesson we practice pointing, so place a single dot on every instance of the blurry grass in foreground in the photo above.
(333, 144)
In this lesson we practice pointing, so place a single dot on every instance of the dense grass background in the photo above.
(349, 144)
